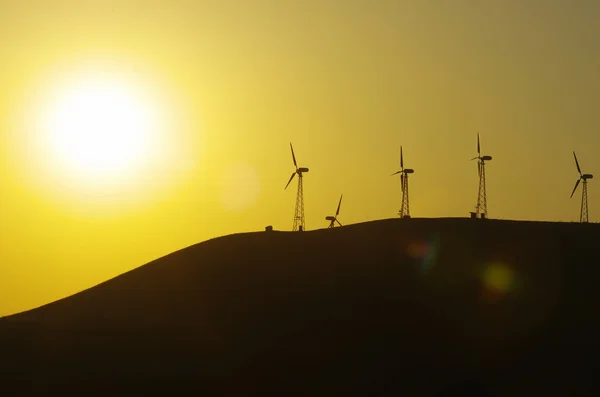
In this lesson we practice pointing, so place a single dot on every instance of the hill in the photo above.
(417, 307)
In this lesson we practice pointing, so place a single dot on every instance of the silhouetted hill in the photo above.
(418, 307)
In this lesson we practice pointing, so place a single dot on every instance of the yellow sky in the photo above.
(347, 82)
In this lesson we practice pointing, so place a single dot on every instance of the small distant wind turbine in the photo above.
(405, 209)
(333, 219)
(583, 216)
(299, 211)
(481, 209)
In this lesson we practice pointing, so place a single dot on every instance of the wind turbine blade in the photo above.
(474, 158)
(292, 177)
(401, 159)
(577, 163)
(396, 173)
(402, 182)
(338, 222)
(293, 156)
(478, 145)
(575, 188)
(338, 209)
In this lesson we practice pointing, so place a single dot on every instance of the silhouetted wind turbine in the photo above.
(481, 209)
(299, 211)
(583, 216)
(405, 209)
(333, 219)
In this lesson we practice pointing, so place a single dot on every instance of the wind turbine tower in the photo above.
(333, 219)
(405, 209)
(481, 209)
(583, 216)
(299, 222)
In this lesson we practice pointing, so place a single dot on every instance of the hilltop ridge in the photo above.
(398, 306)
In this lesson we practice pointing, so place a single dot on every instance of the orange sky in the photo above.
(347, 82)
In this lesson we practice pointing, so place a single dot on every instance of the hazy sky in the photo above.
(346, 81)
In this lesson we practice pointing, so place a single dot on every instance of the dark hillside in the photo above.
(418, 307)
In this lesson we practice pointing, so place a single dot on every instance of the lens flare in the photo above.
(425, 252)
(498, 281)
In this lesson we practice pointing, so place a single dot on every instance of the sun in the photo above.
(100, 130)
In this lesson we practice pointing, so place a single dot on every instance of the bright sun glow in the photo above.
(101, 130)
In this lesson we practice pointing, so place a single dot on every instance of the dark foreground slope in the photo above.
(399, 307)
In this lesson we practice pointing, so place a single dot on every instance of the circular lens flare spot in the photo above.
(418, 250)
(498, 280)
(425, 252)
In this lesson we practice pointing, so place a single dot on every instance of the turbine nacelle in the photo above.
(482, 158)
(587, 176)
(302, 169)
(406, 171)
(330, 218)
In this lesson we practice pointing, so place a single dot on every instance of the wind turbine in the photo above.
(333, 219)
(299, 211)
(583, 216)
(481, 209)
(405, 210)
